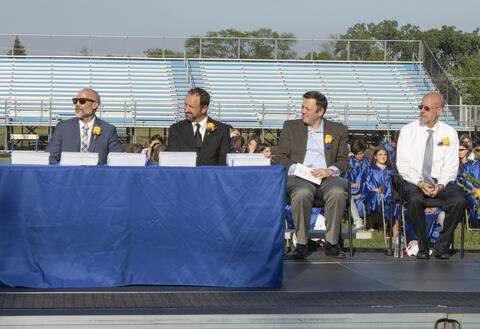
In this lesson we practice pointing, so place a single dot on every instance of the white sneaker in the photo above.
(358, 224)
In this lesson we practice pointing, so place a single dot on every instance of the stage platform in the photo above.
(372, 289)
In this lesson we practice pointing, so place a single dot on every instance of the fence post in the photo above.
(385, 51)
(275, 51)
(346, 109)
(263, 122)
(348, 50)
(135, 123)
(50, 121)
(238, 48)
(5, 146)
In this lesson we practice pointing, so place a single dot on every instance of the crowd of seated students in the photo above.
(254, 144)
(371, 182)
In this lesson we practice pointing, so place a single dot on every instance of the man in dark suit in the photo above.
(199, 133)
(86, 132)
(322, 146)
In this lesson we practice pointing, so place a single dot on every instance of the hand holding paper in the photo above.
(305, 172)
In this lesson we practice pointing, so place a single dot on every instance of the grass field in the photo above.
(472, 239)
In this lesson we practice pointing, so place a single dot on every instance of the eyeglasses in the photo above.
(462, 150)
(82, 100)
(427, 108)
(476, 150)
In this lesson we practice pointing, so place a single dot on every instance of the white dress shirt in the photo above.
(203, 126)
(411, 150)
(89, 131)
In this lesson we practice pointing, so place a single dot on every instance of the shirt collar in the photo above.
(89, 125)
(202, 123)
(434, 128)
(320, 129)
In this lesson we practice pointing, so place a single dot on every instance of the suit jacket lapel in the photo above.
(75, 130)
(93, 140)
(302, 139)
(206, 138)
(188, 131)
(328, 151)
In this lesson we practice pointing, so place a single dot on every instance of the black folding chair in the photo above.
(318, 203)
(397, 198)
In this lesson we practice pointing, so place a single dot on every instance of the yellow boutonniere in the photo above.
(210, 127)
(96, 131)
(477, 194)
(328, 141)
(444, 141)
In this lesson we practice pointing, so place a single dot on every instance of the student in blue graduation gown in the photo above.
(377, 185)
(359, 165)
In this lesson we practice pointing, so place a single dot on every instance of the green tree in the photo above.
(85, 52)
(466, 77)
(158, 53)
(18, 48)
(263, 43)
(322, 55)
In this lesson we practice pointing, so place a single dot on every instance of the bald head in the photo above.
(92, 94)
(431, 108)
(436, 98)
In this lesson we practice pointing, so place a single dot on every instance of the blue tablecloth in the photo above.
(113, 226)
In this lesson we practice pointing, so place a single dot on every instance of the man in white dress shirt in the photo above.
(427, 159)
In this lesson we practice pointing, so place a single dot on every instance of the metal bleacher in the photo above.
(361, 95)
(38, 91)
(141, 92)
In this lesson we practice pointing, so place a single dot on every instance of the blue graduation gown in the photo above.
(358, 168)
(375, 177)
(472, 169)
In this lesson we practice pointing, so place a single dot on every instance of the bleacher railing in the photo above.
(439, 76)
(269, 114)
(220, 47)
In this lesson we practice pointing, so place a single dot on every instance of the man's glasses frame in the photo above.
(82, 100)
(427, 108)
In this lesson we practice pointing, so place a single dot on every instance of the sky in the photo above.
(307, 19)
(304, 18)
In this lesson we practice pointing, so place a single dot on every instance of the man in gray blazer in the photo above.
(86, 132)
(321, 145)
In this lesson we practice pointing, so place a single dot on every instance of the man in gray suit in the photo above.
(86, 132)
(322, 146)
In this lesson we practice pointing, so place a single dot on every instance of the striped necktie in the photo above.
(85, 139)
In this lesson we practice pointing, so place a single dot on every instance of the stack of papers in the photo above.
(247, 159)
(305, 172)
(78, 159)
(126, 159)
(177, 159)
(30, 157)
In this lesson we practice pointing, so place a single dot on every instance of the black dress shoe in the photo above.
(441, 255)
(425, 254)
(334, 251)
(312, 245)
(300, 252)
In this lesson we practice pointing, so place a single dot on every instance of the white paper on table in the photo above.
(30, 157)
(236, 162)
(233, 156)
(126, 159)
(78, 159)
(304, 172)
(177, 159)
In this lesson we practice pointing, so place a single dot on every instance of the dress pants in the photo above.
(333, 192)
(453, 203)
